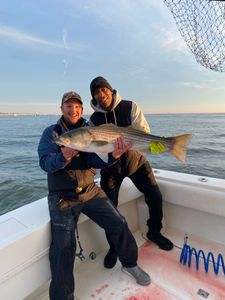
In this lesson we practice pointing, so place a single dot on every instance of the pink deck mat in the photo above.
(170, 280)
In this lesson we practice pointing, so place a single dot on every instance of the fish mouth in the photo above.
(64, 142)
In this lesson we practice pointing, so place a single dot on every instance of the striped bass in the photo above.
(101, 139)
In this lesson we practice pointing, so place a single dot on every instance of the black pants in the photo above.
(144, 179)
(63, 246)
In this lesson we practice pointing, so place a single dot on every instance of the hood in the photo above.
(116, 100)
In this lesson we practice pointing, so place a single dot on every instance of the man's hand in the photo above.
(68, 153)
(120, 147)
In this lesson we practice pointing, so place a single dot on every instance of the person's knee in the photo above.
(121, 223)
(153, 195)
(111, 194)
(158, 194)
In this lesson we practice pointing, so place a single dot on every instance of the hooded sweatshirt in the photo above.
(123, 113)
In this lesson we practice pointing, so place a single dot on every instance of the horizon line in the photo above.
(56, 114)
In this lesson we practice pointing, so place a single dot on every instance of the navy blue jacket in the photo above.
(64, 176)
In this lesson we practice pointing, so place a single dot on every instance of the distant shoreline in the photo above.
(25, 114)
(15, 114)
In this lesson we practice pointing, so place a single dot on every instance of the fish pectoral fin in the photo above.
(99, 143)
(103, 156)
(102, 147)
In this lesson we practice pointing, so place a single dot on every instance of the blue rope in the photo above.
(187, 253)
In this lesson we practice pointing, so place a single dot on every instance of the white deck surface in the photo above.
(170, 279)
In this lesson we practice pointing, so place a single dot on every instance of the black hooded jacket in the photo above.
(124, 113)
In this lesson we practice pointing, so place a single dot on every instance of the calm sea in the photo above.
(22, 181)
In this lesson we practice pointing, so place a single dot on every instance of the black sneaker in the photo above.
(160, 240)
(110, 259)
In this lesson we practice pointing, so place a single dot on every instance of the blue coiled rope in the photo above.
(187, 253)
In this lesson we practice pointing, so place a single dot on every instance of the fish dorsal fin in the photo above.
(136, 127)
(111, 125)
(107, 125)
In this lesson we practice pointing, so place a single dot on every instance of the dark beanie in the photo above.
(99, 82)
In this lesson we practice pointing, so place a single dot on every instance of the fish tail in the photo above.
(179, 145)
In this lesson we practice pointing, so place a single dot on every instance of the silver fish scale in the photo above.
(111, 133)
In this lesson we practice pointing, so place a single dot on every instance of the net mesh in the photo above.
(202, 26)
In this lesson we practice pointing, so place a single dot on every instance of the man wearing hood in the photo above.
(110, 108)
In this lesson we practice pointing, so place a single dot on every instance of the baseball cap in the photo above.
(71, 95)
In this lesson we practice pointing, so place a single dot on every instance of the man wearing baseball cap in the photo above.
(72, 190)
(72, 109)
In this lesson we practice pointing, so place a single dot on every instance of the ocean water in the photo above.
(22, 181)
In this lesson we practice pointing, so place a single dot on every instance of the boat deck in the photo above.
(170, 279)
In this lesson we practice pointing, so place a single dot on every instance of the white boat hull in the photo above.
(193, 207)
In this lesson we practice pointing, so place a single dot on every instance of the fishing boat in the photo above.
(194, 219)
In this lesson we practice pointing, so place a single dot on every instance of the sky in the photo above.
(48, 47)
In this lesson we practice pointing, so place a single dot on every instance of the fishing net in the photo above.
(202, 26)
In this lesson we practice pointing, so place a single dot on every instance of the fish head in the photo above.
(77, 139)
